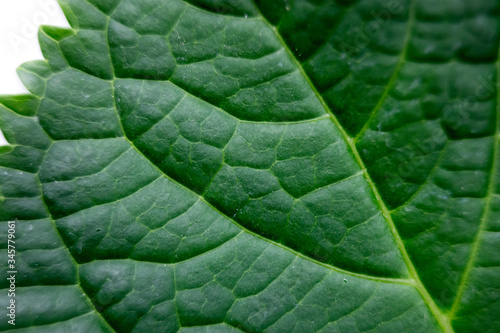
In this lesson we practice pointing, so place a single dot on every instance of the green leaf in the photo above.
(277, 165)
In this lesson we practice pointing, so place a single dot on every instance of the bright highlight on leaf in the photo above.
(257, 166)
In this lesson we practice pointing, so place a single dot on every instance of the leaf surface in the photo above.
(240, 166)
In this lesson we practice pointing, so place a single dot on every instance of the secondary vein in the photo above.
(487, 206)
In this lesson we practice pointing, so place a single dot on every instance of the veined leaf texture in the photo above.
(257, 166)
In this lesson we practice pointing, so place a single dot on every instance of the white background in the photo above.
(19, 22)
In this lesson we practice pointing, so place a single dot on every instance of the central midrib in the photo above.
(441, 318)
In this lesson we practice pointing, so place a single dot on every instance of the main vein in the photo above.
(442, 319)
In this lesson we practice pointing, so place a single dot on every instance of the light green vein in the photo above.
(487, 207)
(395, 74)
(441, 318)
